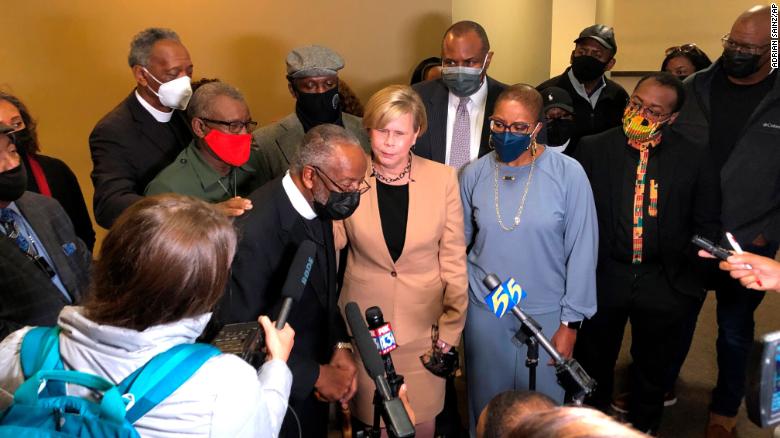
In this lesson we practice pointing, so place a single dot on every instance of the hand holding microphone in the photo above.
(278, 343)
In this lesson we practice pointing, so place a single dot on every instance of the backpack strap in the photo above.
(41, 352)
(162, 375)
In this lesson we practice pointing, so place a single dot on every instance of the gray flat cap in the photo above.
(308, 61)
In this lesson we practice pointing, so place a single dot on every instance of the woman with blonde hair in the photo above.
(407, 253)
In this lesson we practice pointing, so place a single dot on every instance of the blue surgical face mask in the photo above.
(509, 146)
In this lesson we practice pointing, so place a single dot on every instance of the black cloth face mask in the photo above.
(559, 131)
(740, 65)
(315, 109)
(339, 206)
(13, 183)
(587, 68)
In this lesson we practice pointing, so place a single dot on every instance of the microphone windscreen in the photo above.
(300, 268)
(491, 281)
(365, 344)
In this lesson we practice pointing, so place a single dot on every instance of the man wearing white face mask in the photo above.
(459, 104)
(144, 133)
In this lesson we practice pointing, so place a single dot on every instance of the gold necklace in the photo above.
(519, 212)
(400, 176)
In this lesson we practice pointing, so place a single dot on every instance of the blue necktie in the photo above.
(9, 221)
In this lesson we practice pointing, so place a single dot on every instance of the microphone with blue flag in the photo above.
(504, 296)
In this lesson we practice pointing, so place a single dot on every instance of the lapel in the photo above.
(437, 122)
(616, 165)
(146, 124)
(494, 89)
(375, 221)
(44, 226)
(289, 139)
(667, 165)
(296, 229)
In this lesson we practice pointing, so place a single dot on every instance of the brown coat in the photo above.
(427, 285)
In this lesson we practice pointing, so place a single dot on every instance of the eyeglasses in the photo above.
(685, 48)
(749, 49)
(645, 111)
(515, 128)
(234, 127)
(363, 186)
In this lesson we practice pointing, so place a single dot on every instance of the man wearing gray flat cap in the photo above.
(312, 75)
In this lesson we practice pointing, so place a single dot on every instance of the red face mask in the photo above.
(230, 148)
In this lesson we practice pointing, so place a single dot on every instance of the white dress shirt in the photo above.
(476, 109)
(580, 89)
(160, 116)
(560, 148)
(299, 203)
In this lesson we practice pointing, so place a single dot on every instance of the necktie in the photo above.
(9, 221)
(460, 148)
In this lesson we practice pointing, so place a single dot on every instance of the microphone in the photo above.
(393, 411)
(383, 336)
(571, 375)
(297, 278)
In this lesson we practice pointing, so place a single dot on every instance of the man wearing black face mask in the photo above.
(312, 75)
(43, 265)
(324, 183)
(734, 109)
(559, 114)
(598, 101)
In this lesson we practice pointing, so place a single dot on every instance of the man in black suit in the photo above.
(43, 265)
(598, 101)
(464, 94)
(133, 142)
(324, 183)
(653, 190)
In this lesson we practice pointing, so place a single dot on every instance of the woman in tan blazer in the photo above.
(407, 251)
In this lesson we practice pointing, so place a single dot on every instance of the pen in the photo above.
(738, 249)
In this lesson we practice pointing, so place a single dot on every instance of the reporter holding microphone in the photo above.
(406, 251)
(162, 268)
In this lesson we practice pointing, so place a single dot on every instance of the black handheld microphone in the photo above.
(297, 278)
(393, 411)
(383, 336)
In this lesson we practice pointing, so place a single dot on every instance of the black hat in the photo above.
(604, 35)
(555, 97)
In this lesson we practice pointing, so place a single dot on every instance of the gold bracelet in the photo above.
(343, 345)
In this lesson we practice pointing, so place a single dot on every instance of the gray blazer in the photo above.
(279, 142)
(27, 295)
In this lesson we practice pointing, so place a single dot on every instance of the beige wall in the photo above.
(519, 32)
(67, 60)
(642, 36)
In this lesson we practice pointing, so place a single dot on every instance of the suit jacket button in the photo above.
(394, 274)
(183, 161)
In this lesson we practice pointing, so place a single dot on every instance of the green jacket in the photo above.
(190, 175)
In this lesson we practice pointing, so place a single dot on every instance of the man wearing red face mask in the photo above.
(218, 165)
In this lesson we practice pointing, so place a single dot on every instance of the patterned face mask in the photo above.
(638, 127)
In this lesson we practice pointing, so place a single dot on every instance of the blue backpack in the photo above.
(41, 408)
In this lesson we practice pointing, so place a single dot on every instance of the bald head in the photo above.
(754, 24)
